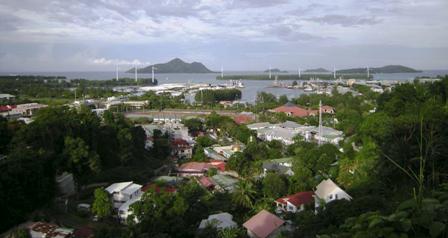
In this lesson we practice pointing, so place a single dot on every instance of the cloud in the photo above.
(344, 20)
(104, 61)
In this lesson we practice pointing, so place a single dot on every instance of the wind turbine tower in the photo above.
(299, 72)
(368, 73)
(222, 72)
(320, 122)
(116, 72)
(135, 73)
(270, 74)
(152, 74)
(334, 72)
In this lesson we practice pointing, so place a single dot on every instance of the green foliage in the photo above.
(244, 194)
(213, 96)
(193, 124)
(19, 233)
(102, 204)
(274, 186)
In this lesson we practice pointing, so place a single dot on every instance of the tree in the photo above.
(244, 194)
(102, 204)
(274, 186)
(283, 99)
(19, 233)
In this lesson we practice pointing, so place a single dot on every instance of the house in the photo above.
(328, 135)
(6, 96)
(224, 182)
(281, 166)
(263, 225)
(197, 169)
(244, 118)
(123, 192)
(295, 111)
(228, 151)
(66, 184)
(281, 134)
(27, 109)
(193, 169)
(295, 202)
(124, 212)
(219, 221)
(48, 230)
(212, 154)
(181, 148)
(206, 183)
(327, 191)
(328, 109)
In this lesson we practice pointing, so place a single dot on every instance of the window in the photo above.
(330, 197)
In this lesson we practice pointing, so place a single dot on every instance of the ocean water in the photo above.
(249, 92)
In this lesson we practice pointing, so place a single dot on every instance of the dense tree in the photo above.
(274, 185)
(244, 194)
(212, 96)
(102, 204)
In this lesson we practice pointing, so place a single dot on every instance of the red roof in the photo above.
(206, 182)
(220, 165)
(7, 108)
(243, 118)
(194, 167)
(156, 188)
(297, 199)
(263, 224)
(294, 110)
(180, 143)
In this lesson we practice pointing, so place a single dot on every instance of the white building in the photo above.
(124, 211)
(219, 221)
(123, 192)
(327, 191)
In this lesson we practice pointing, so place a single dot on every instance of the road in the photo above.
(177, 113)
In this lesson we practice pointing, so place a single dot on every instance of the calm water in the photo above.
(252, 87)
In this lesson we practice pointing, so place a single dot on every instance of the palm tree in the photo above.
(244, 194)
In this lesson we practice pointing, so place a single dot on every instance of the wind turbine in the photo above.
(222, 72)
(334, 72)
(116, 72)
(152, 73)
(135, 73)
(270, 74)
(299, 71)
(368, 73)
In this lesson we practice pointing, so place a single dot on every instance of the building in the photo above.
(48, 230)
(66, 184)
(197, 169)
(206, 183)
(28, 109)
(181, 148)
(295, 111)
(328, 109)
(219, 221)
(263, 225)
(280, 166)
(123, 192)
(244, 118)
(227, 151)
(5, 96)
(295, 202)
(224, 182)
(327, 191)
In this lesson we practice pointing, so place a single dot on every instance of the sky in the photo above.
(98, 35)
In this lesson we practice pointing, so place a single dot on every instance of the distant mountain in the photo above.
(388, 69)
(174, 66)
(318, 70)
(276, 71)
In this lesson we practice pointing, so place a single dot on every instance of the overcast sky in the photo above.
(74, 35)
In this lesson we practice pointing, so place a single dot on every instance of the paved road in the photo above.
(177, 113)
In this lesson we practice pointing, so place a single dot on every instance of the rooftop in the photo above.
(297, 199)
(263, 224)
(117, 187)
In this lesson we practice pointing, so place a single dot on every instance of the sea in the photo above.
(249, 92)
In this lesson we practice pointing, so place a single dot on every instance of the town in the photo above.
(275, 168)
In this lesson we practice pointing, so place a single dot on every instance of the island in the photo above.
(318, 70)
(276, 70)
(174, 66)
(388, 69)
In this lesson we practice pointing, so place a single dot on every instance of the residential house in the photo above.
(327, 191)
(328, 109)
(295, 202)
(206, 183)
(27, 109)
(224, 182)
(328, 135)
(264, 225)
(295, 111)
(66, 184)
(280, 166)
(48, 230)
(212, 154)
(181, 148)
(228, 151)
(219, 221)
(197, 169)
(244, 118)
(123, 192)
